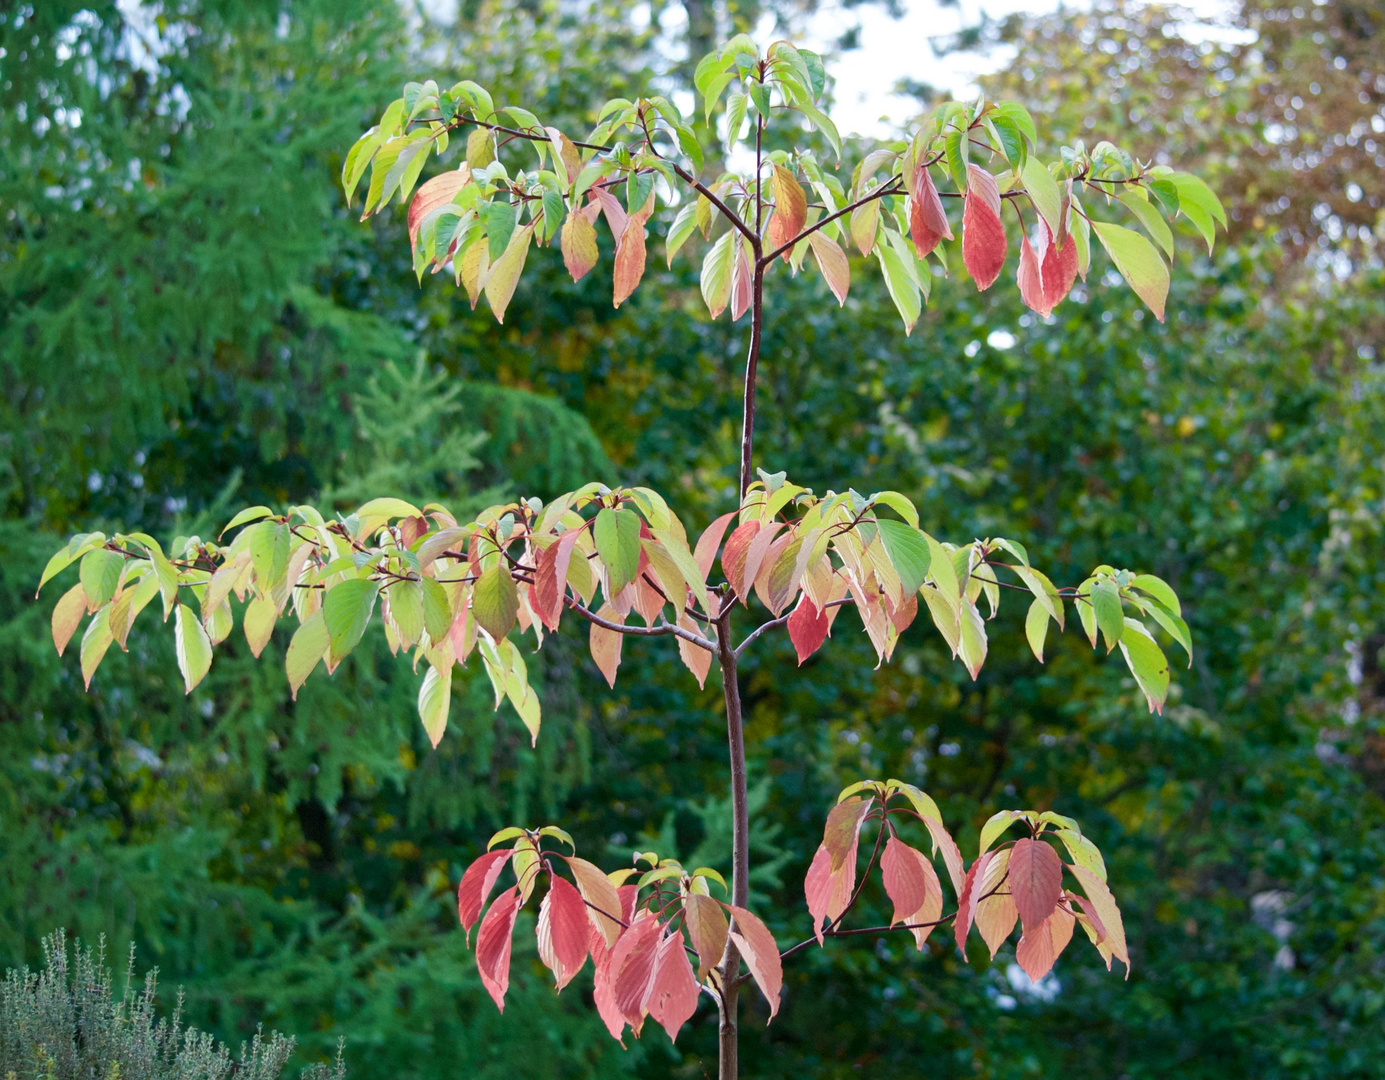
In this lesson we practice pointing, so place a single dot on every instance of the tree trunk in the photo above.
(728, 971)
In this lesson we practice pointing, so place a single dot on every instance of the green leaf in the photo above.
(1147, 664)
(437, 611)
(1148, 215)
(500, 226)
(994, 827)
(617, 536)
(253, 513)
(310, 641)
(908, 552)
(269, 551)
(388, 508)
(193, 648)
(504, 274)
(684, 225)
(406, 605)
(1084, 853)
(1139, 263)
(820, 121)
(1106, 604)
(900, 504)
(1173, 625)
(96, 640)
(100, 574)
(901, 283)
(1044, 194)
(1036, 627)
(1192, 191)
(716, 272)
(1158, 588)
(347, 608)
(495, 601)
(434, 701)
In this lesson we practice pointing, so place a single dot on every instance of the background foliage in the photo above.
(189, 315)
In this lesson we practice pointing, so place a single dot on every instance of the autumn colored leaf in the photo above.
(493, 945)
(434, 193)
(1036, 880)
(504, 273)
(630, 254)
(1059, 270)
(1112, 942)
(827, 893)
(993, 908)
(906, 883)
(741, 282)
(707, 928)
(707, 544)
(761, 954)
(605, 644)
(966, 901)
(1030, 278)
(695, 658)
(755, 557)
(790, 209)
(983, 234)
(579, 245)
(807, 628)
(841, 834)
(733, 555)
(476, 886)
(610, 206)
(631, 968)
(832, 263)
(1043, 944)
(67, 615)
(672, 996)
(550, 578)
(564, 930)
(600, 898)
(928, 224)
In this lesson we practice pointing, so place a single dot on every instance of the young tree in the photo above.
(657, 935)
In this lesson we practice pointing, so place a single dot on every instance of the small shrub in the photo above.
(64, 1023)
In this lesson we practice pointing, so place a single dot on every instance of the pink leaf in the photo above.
(966, 901)
(631, 967)
(741, 282)
(706, 551)
(493, 945)
(733, 555)
(476, 885)
(906, 882)
(807, 628)
(827, 893)
(1036, 880)
(672, 996)
(1041, 946)
(1059, 271)
(761, 954)
(603, 993)
(928, 224)
(1031, 279)
(842, 832)
(436, 192)
(983, 234)
(563, 930)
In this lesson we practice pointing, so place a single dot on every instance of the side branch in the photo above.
(662, 630)
(782, 620)
(889, 187)
(706, 192)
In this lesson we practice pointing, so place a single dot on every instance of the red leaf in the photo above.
(476, 885)
(737, 547)
(754, 559)
(564, 931)
(983, 235)
(760, 952)
(631, 967)
(706, 551)
(928, 224)
(1059, 271)
(603, 994)
(807, 628)
(966, 902)
(672, 997)
(436, 192)
(610, 206)
(1031, 279)
(1036, 880)
(550, 578)
(493, 946)
(827, 893)
(1040, 947)
(906, 881)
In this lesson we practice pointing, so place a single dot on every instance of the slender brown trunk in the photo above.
(728, 971)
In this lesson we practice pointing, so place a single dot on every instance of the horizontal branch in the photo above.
(782, 620)
(662, 630)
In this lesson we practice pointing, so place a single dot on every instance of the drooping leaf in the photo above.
(1041, 946)
(1036, 628)
(308, 645)
(434, 701)
(600, 897)
(1112, 944)
(983, 234)
(67, 615)
(439, 191)
(1036, 880)
(193, 648)
(631, 969)
(832, 263)
(1106, 605)
(1030, 279)
(842, 832)
(827, 893)
(1147, 663)
(1139, 263)
(476, 885)
(495, 600)
(493, 945)
(761, 954)
(790, 208)
(258, 623)
(605, 644)
(716, 272)
(672, 996)
(346, 609)
(807, 626)
(100, 574)
(631, 254)
(906, 882)
(579, 245)
(1059, 271)
(707, 928)
(504, 271)
(928, 224)
(564, 930)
